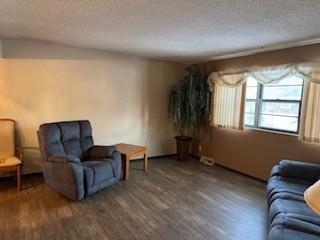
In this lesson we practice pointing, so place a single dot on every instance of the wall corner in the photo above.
(1, 55)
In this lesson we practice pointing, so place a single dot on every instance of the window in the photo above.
(274, 106)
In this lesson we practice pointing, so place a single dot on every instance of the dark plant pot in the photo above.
(183, 143)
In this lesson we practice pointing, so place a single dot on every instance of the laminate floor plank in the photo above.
(172, 200)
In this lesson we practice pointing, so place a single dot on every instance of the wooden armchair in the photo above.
(10, 156)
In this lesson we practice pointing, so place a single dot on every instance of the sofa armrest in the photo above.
(275, 171)
(101, 151)
(300, 170)
(64, 159)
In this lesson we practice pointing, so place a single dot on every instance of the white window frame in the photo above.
(259, 100)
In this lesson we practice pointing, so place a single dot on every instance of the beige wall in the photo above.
(0, 48)
(285, 56)
(253, 152)
(124, 97)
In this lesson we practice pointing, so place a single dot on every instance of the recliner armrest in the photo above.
(64, 173)
(101, 151)
(64, 159)
(301, 170)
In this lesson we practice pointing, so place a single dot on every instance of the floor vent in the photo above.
(206, 160)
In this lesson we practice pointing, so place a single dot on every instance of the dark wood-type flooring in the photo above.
(171, 201)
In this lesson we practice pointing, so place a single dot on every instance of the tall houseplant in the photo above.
(189, 107)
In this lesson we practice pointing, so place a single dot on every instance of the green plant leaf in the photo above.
(189, 101)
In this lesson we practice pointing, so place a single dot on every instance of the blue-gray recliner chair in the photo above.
(72, 164)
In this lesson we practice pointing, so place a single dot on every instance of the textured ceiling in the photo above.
(177, 30)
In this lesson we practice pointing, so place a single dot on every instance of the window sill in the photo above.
(272, 131)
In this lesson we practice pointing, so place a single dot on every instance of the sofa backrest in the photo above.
(65, 138)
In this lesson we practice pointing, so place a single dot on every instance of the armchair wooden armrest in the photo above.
(19, 151)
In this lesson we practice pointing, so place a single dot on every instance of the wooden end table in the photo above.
(128, 153)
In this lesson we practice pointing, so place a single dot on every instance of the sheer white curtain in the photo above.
(228, 101)
(229, 96)
(310, 121)
(272, 74)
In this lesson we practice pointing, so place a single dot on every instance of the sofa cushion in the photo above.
(291, 227)
(96, 172)
(315, 220)
(289, 206)
(285, 195)
(289, 215)
(277, 184)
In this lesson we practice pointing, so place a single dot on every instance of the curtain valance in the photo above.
(229, 96)
(265, 75)
(228, 80)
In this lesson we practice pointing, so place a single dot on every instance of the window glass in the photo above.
(288, 81)
(249, 119)
(282, 92)
(251, 92)
(250, 107)
(252, 88)
(251, 82)
(279, 122)
(281, 108)
(274, 106)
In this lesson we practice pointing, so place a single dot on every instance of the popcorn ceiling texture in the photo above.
(176, 30)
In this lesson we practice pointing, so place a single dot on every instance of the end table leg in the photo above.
(123, 159)
(126, 168)
(145, 165)
(19, 177)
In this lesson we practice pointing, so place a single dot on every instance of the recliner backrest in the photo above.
(65, 138)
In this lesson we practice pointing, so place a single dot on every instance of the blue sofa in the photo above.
(72, 164)
(289, 215)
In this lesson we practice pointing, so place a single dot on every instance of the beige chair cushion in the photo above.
(7, 144)
(9, 162)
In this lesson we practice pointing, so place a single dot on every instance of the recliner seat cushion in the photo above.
(96, 172)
